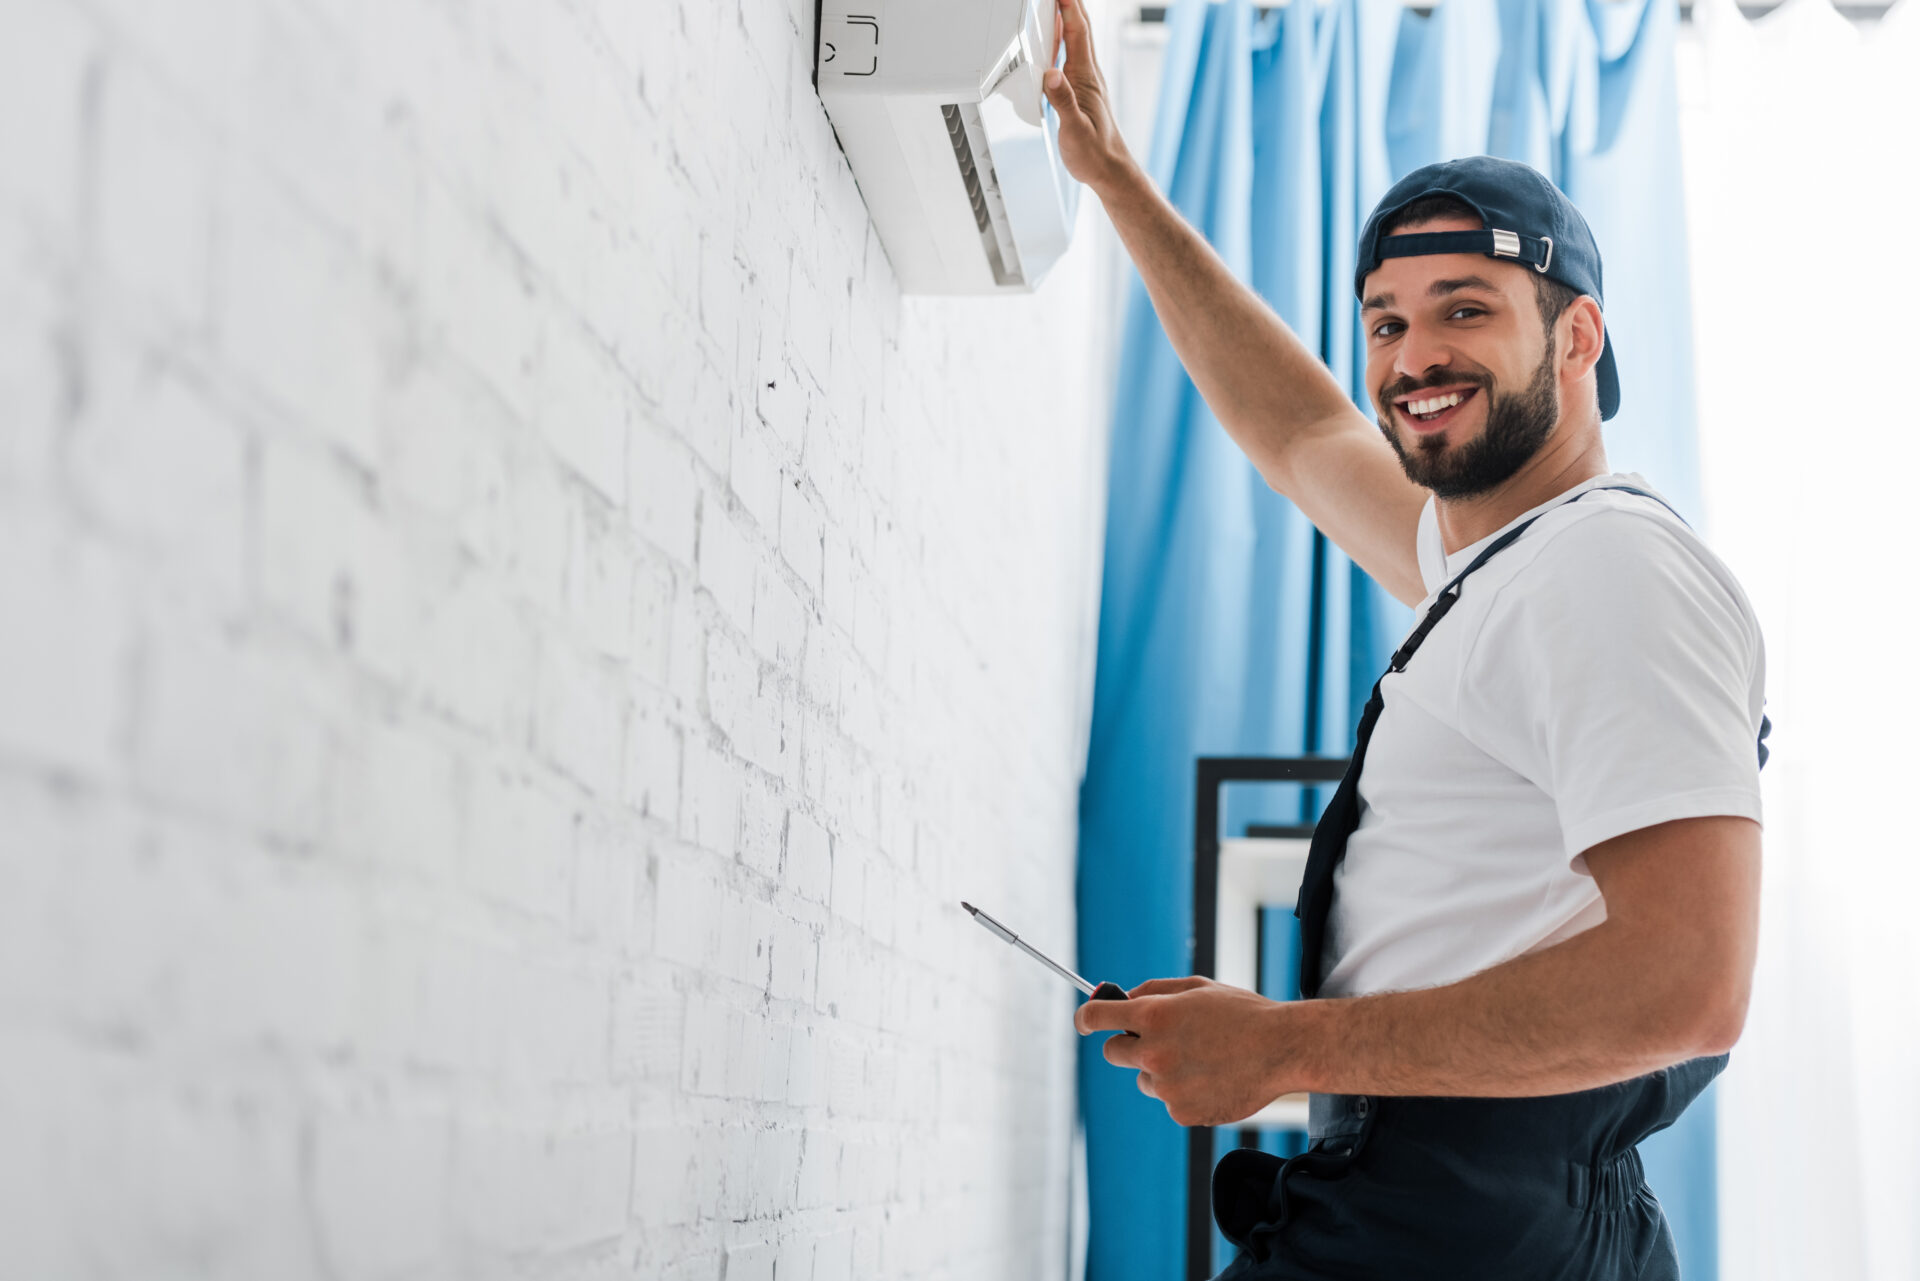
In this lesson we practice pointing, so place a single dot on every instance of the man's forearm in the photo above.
(1568, 1018)
(1263, 384)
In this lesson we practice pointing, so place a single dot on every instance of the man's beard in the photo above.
(1517, 426)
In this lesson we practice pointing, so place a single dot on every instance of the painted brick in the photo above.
(479, 301)
(709, 799)
(665, 494)
(156, 196)
(755, 478)
(584, 410)
(808, 865)
(44, 147)
(795, 962)
(689, 901)
(711, 1040)
(696, 398)
(654, 596)
(780, 395)
(64, 650)
(663, 1163)
(734, 699)
(801, 536)
(521, 843)
(608, 868)
(746, 941)
(521, 1191)
(538, 532)
(837, 571)
(579, 719)
(820, 667)
(794, 1261)
(477, 659)
(396, 798)
(602, 566)
(762, 817)
(726, 566)
(314, 581)
(653, 768)
(833, 1258)
(440, 448)
(225, 732)
(687, 644)
(495, 581)
(779, 620)
(157, 463)
(300, 320)
(36, 374)
(380, 1192)
(776, 1172)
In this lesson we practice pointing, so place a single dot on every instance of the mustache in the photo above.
(1407, 386)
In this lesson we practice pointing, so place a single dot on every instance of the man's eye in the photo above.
(1387, 328)
(1467, 311)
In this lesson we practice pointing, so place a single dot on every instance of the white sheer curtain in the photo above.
(1802, 135)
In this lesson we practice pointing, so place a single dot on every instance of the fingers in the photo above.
(1101, 1016)
(1162, 987)
(1059, 91)
(1122, 1051)
(1079, 34)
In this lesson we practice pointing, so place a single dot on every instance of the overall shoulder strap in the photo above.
(1451, 592)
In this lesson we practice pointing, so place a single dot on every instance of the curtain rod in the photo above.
(1150, 13)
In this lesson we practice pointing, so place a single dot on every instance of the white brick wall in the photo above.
(513, 639)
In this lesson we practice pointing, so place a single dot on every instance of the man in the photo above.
(1529, 917)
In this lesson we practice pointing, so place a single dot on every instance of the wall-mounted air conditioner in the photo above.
(938, 106)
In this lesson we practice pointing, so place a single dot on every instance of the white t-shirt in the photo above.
(1601, 674)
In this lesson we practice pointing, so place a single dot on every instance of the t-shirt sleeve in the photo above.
(1622, 675)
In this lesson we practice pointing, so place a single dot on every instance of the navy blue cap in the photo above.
(1526, 218)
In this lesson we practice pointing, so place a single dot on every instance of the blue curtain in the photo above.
(1228, 625)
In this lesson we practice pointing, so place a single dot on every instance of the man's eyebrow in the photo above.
(1377, 302)
(1441, 288)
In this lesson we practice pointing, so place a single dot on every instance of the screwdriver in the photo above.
(1101, 992)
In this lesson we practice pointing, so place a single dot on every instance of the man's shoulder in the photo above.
(1616, 535)
(1596, 570)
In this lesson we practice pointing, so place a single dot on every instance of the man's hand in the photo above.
(1208, 1051)
(1090, 141)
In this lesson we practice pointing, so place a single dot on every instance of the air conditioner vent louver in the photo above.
(983, 193)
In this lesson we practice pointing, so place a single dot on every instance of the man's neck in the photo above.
(1556, 469)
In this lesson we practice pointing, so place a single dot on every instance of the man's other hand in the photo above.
(1211, 1053)
(1090, 141)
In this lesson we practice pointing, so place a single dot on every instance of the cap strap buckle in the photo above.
(1507, 244)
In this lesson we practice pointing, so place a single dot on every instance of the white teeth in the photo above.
(1436, 404)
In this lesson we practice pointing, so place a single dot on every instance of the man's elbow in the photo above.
(1711, 1023)
(1721, 1032)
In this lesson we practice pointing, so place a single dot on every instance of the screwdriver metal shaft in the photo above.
(1007, 935)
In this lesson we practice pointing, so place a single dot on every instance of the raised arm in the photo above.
(1274, 397)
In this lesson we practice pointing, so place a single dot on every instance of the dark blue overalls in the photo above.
(1394, 1188)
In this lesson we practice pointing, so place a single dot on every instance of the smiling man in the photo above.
(1528, 919)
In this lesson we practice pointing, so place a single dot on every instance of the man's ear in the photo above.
(1583, 336)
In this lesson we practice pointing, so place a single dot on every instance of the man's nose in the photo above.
(1421, 351)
